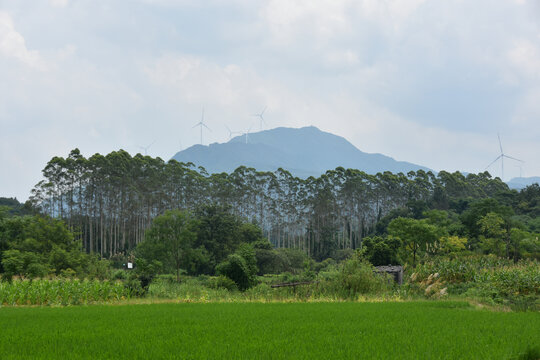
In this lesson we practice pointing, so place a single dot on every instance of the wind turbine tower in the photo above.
(246, 134)
(260, 116)
(201, 124)
(520, 170)
(501, 157)
(145, 148)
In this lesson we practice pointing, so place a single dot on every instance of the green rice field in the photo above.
(393, 330)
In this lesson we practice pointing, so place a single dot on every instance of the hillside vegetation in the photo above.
(229, 237)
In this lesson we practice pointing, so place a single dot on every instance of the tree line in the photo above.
(110, 201)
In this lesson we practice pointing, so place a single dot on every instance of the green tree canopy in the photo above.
(417, 235)
(170, 241)
(37, 245)
(383, 250)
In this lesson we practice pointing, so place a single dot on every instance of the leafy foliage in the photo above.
(36, 246)
(240, 267)
(61, 292)
(383, 250)
(111, 199)
(489, 278)
(170, 242)
(417, 236)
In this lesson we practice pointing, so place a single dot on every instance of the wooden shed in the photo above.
(395, 270)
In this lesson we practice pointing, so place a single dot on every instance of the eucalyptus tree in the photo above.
(170, 241)
(112, 200)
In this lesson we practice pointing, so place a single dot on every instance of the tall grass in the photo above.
(333, 285)
(487, 278)
(459, 269)
(61, 292)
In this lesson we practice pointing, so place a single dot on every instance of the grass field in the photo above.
(410, 330)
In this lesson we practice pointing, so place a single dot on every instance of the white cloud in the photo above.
(344, 58)
(320, 20)
(525, 58)
(198, 81)
(12, 44)
(59, 3)
(384, 74)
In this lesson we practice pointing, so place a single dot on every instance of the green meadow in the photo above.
(393, 330)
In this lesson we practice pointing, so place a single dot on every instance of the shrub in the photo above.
(382, 250)
(292, 259)
(188, 290)
(222, 282)
(237, 269)
(487, 278)
(352, 278)
(119, 275)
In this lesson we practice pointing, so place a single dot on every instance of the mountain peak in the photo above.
(305, 151)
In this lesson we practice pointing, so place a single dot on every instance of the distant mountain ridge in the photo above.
(519, 183)
(304, 152)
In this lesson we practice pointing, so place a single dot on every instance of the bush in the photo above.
(169, 278)
(237, 269)
(269, 261)
(222, 282)
(382, 251)
(352, 278)
(486, 278)
(292, 259)
(342, 254)
(119, 275)
(134, 286)
(188, 290)
(323, 265)
(95, 268)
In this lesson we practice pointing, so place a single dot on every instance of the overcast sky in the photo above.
(430, 82)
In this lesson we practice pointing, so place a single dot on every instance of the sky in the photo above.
(426, 81)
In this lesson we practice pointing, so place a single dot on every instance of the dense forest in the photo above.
(110, 201)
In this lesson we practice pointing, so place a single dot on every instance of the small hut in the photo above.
(395, 270)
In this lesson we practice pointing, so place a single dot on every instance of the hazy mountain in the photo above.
(522, 182)
(304, 152)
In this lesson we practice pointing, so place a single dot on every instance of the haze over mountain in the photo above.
(304, 152)
(519, 183)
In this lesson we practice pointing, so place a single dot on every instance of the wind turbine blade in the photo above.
(262, 112)
(506, 156)
(202, 116)
(500, 145)
(153, 142)
(493, 162)
(206, 127)
(198, 124)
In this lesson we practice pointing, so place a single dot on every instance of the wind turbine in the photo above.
(202, 124)
(260, 116)
(502, 156)
(145, 148)
(520, 170)
(246, 133)
(232, 132)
